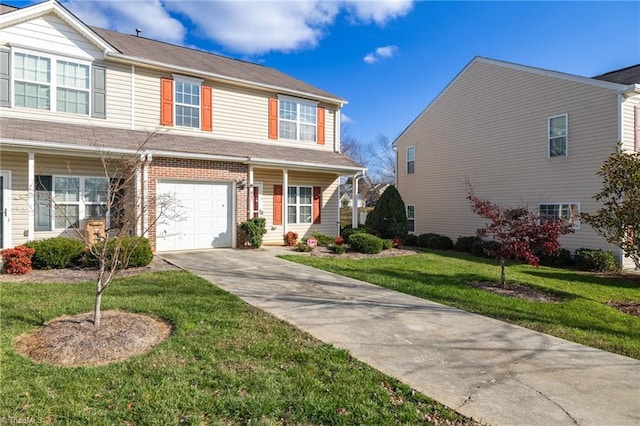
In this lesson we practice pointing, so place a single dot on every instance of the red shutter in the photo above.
(273, 118)
(206, 101)
(317, 203)
(277, 204)
(320, 119)
(637, 129)
(166, 102)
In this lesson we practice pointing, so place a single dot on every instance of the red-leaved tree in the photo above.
(518, 233)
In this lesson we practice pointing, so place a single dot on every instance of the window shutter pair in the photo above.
(273, 121)
(277, 204)
(166, 105)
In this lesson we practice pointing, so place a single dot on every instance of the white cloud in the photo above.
(126, 16)
(379, 12)
(242, 26)
(381, 53)
(345, 119)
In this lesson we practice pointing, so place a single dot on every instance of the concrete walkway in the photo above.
(492, 371)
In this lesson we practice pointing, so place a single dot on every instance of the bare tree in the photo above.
(382, 160)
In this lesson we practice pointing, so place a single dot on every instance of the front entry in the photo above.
(256, 199)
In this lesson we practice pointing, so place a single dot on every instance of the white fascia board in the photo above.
(40, 9)
(304, 166)
(195, 72)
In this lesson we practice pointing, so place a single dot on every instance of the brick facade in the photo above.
(177, 168)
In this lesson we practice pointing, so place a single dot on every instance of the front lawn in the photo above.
(582, 316)
(227, 363)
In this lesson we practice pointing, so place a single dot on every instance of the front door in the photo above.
(256, 199)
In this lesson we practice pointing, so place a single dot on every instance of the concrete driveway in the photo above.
(492, 371)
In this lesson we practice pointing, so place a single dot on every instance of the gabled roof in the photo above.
(174, 58)
(78, 139)
(629, 75)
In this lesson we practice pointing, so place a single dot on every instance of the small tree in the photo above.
(389, 217)
(517, 232)
(619, 220)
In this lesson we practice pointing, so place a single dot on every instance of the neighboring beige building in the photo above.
(231, 139)
(519, 135)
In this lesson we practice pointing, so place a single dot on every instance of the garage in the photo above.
(204, 216)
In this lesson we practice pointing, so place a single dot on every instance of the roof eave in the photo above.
(306, 166)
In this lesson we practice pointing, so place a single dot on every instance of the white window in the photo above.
(297, 120)
(411, 218)
(558, 130)
(75, 198)
(32, 81)
(569, 212)
(187, 100)
(411, 160)
(51, 84)
(299, 204)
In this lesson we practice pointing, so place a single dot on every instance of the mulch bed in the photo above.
(630, 308)
(517, 290)
(71, 341)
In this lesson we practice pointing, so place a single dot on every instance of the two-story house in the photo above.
(517, 135)
(228, 139)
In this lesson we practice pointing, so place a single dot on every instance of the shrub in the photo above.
(411, 240)
(302, 246)
(396, 242)
(559, 259)
(596, 260)
(484, 248)
(291, 239)
(435, 241)
(338, 241)
(56, 253)
(366, 243)
(324, 240)
(134, 252)
(347, 231)
(387, 244)
(337, 248)
(253, 230)
(389, 217)
(465, 244)
(17, 260)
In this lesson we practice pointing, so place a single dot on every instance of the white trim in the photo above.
(566, 136)
(298, 204)
(133, 97)
(285, 199)
(31, 195)
(298, 122)
(414, 216)
(6, 207)
(406, 169)
(187, 79)
(578, 224)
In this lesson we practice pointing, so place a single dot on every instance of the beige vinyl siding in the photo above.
(119, 81)
(329, 212)
(52, 35)
(147, 99)
(628, 122)
(490, 128)
(240, 113)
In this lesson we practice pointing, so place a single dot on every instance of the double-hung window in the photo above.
(568, 212)
(411, 160)
(300, 204)
(187, 96)
(411, 218)
(297, 119)
(558, 130)
(56, 84)
(62, 201)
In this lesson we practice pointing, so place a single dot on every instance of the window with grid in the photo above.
(411, 160)
(32, 81)
(299, 204)
(187, 100)
(568, 212)
(297, 120)
(558, 129)
(411, 218)
(72, 94)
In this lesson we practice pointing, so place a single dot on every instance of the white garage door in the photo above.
(205, 216)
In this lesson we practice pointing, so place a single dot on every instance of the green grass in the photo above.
(582, 316)
(226, 363)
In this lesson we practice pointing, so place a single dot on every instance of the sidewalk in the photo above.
(495, 372)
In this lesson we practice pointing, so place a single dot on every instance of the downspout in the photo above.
(620, 147)
(354, 196)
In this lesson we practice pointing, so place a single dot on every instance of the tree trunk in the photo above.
(97, 314)
(502, 276)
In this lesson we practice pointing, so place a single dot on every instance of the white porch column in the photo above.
(31, 195)
(250, 190)
(354, 196)
(145, 220)
(138, 189)
(285, 200)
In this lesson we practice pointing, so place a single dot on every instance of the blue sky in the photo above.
(389, 59)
